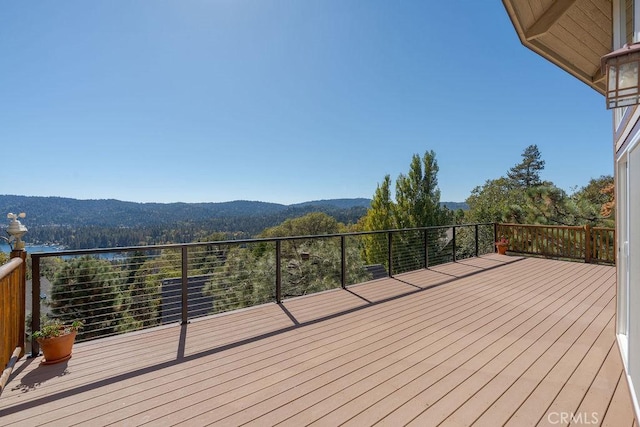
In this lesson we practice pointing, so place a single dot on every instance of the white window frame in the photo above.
(623, 303)
(622, 213)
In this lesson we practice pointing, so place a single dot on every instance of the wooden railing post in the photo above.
(22, 298)
(495, 236)
(587, 243)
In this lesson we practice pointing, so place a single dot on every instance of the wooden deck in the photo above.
(487, 341)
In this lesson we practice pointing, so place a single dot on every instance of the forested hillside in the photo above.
(115, 213)
(235, 276)
(79, 224)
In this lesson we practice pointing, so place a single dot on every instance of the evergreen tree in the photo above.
(141, 294)
(418, 195)
(548, 204)
(502, 200)
(85, 289)
(596, 201)
(417, 204)
(417, 201)
(314, 223)
(498, 200)
(379, 217)
(247, 279)
(526, 174)
(307, 265)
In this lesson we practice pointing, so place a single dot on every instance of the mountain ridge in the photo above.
(65, 211)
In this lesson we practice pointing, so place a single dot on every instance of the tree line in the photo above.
(125, 294)
(523, 197)
(179, 231)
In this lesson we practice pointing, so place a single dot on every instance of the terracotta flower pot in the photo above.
(57, 349)
(502, 249)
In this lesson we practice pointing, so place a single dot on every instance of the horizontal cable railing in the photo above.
(117, 290)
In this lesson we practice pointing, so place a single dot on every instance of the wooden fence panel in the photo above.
(12, 313)
(591, 244)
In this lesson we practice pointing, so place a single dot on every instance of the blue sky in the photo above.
(279, 100)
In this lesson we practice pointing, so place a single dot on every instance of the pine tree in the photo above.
(85, 289)
(307, 265)
(526, 174)
(141, 294)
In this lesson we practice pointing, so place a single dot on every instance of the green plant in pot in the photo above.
(56, 340)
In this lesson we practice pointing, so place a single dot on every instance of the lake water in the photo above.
(32, 248)
(50, 248)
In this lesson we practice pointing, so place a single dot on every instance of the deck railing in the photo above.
(591, 244)
(12, 313)
(117, 290)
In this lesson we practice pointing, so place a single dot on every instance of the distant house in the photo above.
(198, 304)
(377, 271)
(576, 35)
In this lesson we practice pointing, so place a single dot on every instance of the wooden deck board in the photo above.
(620, 412)
(477, 333)
(441, 394)
(517, 386)
(393, 364)
(487, 340)
(248, 402)
(597, 398)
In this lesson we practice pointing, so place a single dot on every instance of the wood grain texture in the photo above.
(485, 341)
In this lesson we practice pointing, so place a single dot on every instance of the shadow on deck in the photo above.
(491, 340)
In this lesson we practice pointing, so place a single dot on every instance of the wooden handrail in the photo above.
(9, 268)
(12, 313)
(591, 244)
